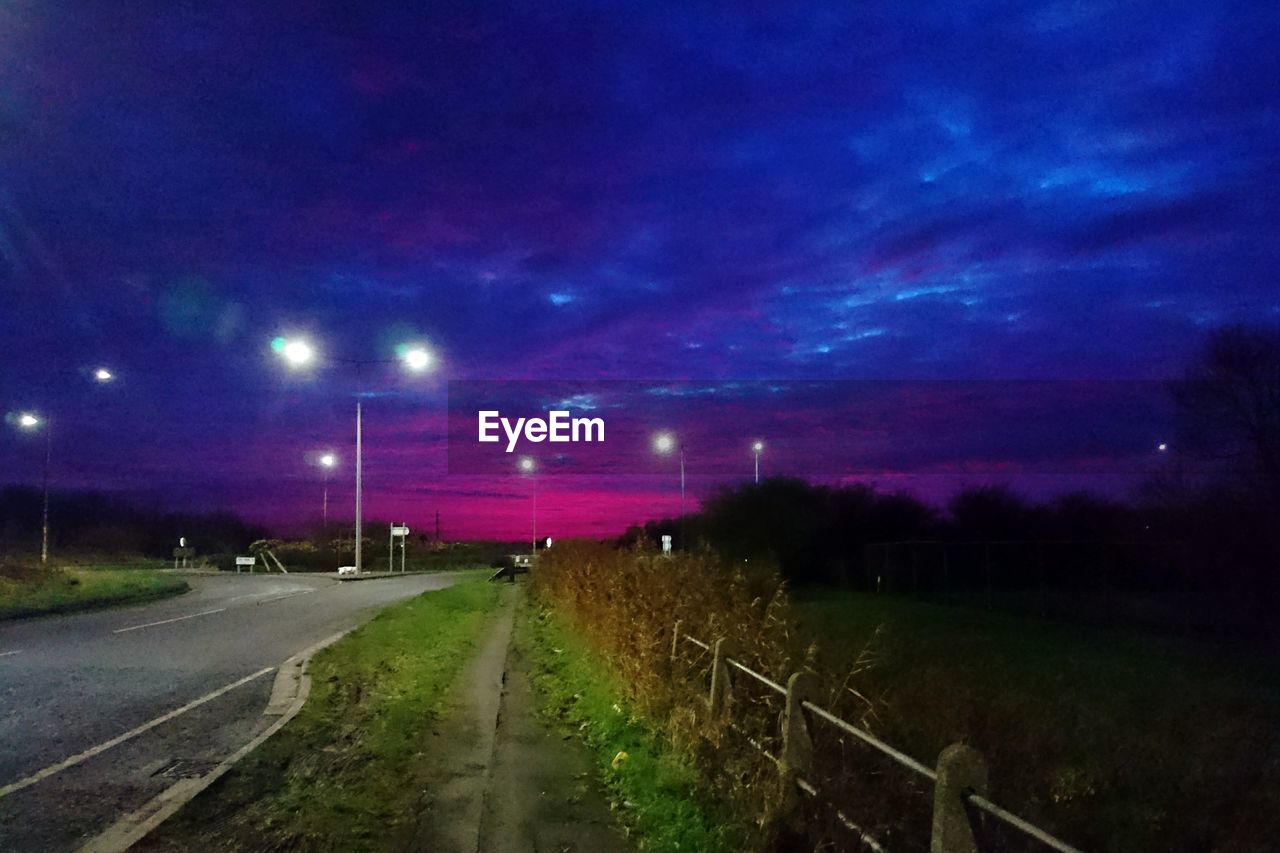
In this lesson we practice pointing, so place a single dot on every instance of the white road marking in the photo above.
(286, 595)
(249, 595)
(135, 826)
(6, 654)
(167, 621)
(132, 733)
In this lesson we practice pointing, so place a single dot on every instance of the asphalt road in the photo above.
(72, 685)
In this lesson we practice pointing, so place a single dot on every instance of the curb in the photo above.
(288, 695)
(381, 576)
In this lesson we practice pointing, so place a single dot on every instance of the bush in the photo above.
(626, 601)
(21, 571)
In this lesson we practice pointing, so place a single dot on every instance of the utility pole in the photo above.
(683, 545)
(359, 459)
(44, 521)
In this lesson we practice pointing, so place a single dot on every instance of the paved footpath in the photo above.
(506, 781)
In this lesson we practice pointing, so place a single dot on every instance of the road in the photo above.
(101, 689)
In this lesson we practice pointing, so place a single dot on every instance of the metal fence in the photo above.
(959, 777)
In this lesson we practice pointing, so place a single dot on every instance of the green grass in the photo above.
(655, 787)
(344, 774)
(1114, 740)
(66, 590)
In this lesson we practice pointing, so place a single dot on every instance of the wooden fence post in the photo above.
(796, 759)
(721, 697)
(961, 770)
(675, 641)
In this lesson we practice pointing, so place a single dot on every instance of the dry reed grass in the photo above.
(625, 602)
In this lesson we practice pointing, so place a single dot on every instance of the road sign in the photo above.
(666, 543)
(246, 561)
(399, 531)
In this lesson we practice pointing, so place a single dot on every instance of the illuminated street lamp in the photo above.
(527, 467)
(30, 423)
(327, 461)
(296, 352)
(756, 448)
(664, 443)
(299, 353)
(416, 358)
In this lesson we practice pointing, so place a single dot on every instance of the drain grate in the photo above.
(186, 768)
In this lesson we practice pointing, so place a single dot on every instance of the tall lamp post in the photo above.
(416, 359)
(527, 467)
(30, 422)
(327, 461)
(756, 448)
(664, 443)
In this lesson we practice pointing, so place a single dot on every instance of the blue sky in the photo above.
(584, 190)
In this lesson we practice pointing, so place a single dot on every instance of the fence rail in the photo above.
(959, 778)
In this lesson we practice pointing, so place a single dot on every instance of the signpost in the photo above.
(183, 554)
(245, 561)
(402, 531)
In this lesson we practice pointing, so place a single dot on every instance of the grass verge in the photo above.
(344, 774)
(1114, 740)
(66, 590)
(655, 788)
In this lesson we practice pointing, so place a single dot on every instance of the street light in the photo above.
(296, 352)
(416, 358)
(664, 443)
(327, 461)
(30, 422)
(756, 448)
(527, 467)
(299, 353)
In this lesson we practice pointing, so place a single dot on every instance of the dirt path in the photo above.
(505, 781)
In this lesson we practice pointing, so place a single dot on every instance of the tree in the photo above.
(1229, 404)
(992, 512)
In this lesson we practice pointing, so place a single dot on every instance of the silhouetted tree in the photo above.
(992, 512)
(1083, 516)
(1229, 403)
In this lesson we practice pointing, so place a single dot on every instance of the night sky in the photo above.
(648, 191)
